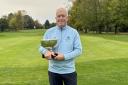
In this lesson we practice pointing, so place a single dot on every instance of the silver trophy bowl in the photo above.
(49, 44)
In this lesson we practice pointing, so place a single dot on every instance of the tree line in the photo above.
(99, 15)
(18, 21)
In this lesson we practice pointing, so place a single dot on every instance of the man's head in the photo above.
(61, 17)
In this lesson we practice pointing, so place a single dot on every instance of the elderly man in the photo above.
(62, 68)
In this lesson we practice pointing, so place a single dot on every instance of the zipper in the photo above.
(60, 38)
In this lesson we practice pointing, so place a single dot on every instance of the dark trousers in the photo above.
(62, 79)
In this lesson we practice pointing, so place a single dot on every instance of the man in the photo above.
(62, 68)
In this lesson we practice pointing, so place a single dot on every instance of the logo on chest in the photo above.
(68, 38)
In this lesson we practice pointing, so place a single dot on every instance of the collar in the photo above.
(63, 28)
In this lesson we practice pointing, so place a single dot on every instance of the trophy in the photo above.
(49, 44)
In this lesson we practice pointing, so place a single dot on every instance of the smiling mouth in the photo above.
(61, 22)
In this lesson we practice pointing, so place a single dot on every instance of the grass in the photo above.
(104, 60)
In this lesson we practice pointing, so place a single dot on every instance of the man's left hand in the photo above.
(59, 57)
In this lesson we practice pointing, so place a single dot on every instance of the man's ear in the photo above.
(67, 18)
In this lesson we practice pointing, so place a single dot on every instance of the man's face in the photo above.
(61, 17)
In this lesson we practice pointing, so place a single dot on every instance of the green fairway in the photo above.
(104, 60)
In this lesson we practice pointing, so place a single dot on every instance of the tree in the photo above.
(13, 24)
(37, 24)
(16, 20)
(100, 15)
(28, 22)
(47, 24)
(3, 24)
(19, 20)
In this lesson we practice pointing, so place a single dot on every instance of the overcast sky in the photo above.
(38, 9)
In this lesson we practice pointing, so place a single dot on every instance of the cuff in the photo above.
(66, 57)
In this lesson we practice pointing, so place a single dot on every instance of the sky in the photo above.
(38, 9)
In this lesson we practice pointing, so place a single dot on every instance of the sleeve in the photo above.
(43, 50)
(77, 48)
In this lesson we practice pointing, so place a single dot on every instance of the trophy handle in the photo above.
(53, 57)
(43, 56)
(56, 54)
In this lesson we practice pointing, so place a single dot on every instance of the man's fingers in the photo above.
(52, 53)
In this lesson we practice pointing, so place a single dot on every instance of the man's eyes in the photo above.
(60, 16)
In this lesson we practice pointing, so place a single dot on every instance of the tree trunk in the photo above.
(116, 29)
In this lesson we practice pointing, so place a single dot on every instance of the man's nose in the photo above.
(61, 17)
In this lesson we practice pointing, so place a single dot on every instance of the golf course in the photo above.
(104, 60)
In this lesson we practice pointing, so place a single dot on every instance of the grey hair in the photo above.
(62, 7)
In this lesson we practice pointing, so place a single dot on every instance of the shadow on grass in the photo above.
(1, 35)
